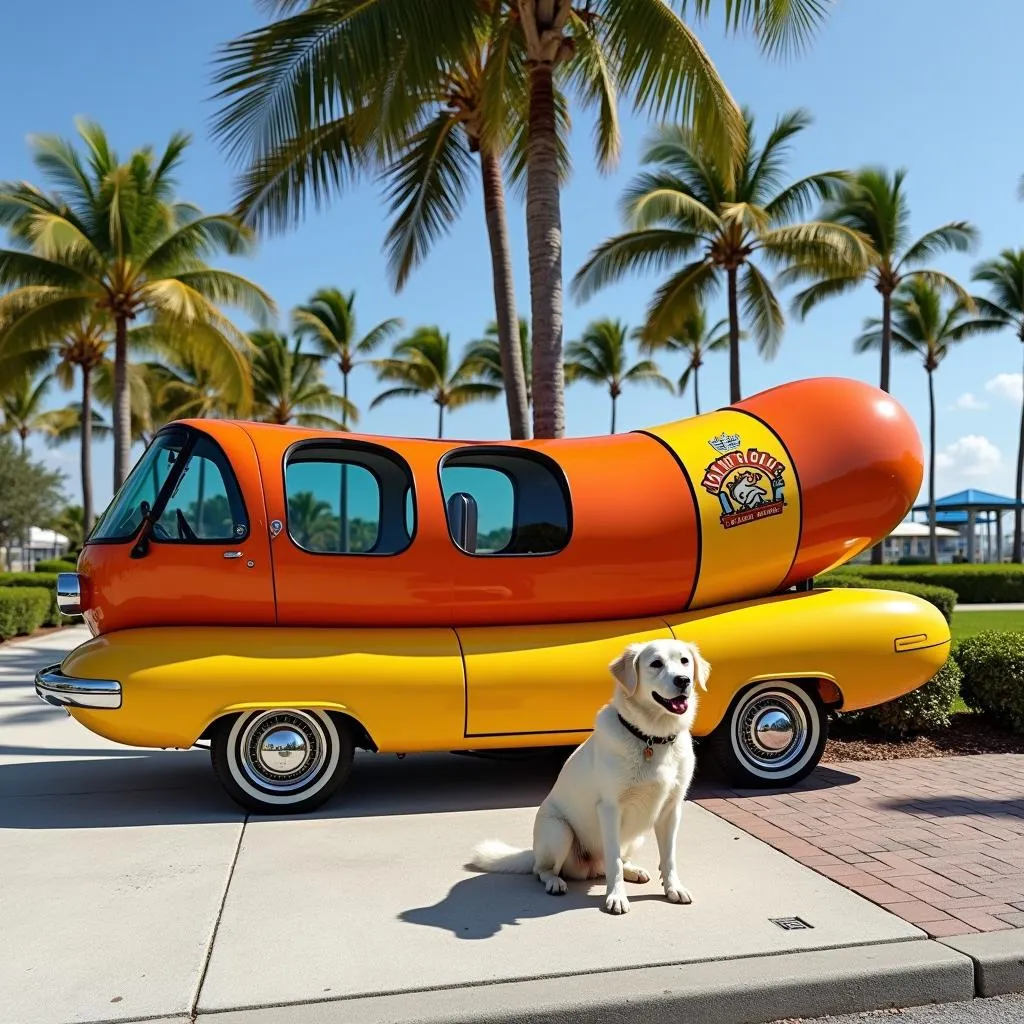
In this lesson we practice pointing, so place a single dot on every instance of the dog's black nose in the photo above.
(682, 682)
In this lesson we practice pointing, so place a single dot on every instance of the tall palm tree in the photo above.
(874, 204)
(485, 355)
(423, 364)
(328, 320)
(111, 236)
(601, 356)
(1004, 276)
(288, 385)
(921, 326)
(424, 135)
(717, 218)
(695, 339)
(331, 89)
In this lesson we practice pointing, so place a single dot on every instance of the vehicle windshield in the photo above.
(123, 517)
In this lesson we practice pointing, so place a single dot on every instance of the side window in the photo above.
(502, 503)
(206, 504)
(348, 501)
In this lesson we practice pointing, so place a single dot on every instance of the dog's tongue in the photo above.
(679, 705)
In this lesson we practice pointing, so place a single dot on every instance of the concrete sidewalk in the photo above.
(133, 888)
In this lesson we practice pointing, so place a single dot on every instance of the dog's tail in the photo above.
(494, 855)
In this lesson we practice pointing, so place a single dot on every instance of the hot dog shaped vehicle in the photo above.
(291, 594)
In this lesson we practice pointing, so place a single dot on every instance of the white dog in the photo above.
(632, 774)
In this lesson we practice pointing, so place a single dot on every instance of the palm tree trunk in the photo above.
(876, 551)
(696, 391)
(734, 338)
(614, 397)
(1017, 512)
(87, 506)
(343, 496)
(512, 371)
(886, 339)
(440, 420)
(933, 542)
(23, 434)
(544, 238)
(122, 403)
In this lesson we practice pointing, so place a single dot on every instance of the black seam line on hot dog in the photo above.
(796, 481)
(696, 514)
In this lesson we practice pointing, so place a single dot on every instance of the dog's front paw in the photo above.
(555, 886)
(632, 873)
(616, 903)
(677, 893)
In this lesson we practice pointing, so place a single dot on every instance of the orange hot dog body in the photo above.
(659, 523)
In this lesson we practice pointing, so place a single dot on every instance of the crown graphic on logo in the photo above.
(725, 443)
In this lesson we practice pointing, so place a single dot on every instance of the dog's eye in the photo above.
(656, 663)
(684, 660)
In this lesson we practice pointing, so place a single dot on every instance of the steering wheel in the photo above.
(185, 532)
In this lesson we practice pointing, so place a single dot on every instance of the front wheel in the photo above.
(281, 761)
(773, 734)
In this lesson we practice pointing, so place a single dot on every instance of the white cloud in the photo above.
(970, 461)
(1007, 385)
(968, 402)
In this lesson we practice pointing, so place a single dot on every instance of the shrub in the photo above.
(56, 565)
(992, 664)
(40, 579)
(927, 707)
(22, 610)
(942, 597)
(974, 584)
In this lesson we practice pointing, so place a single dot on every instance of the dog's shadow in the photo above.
(481, 905)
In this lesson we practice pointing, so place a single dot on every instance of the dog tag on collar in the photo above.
(648, 753)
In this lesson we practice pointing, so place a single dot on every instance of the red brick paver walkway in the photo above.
(937, 841)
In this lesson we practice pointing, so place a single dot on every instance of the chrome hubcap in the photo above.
(773, 729)
(282, 750)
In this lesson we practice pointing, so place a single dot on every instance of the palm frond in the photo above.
(956, 236)
(761, 309)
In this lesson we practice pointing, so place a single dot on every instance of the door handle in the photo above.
(232, 554)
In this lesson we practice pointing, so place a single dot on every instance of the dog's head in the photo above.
(659, 680)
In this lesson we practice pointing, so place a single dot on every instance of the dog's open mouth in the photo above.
(677, 705)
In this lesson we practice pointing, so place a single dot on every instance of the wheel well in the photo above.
(360, 737)
(827, 691)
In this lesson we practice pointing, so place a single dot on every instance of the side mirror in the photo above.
(462, 520)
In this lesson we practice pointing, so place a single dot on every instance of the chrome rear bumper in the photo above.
(54, 687)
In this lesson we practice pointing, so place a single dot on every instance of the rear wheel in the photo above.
(773, 734)
(281, 761)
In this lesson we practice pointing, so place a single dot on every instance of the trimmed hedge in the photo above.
(927, 707)
(36, 580)
(992, 664)
(942, 597)
(56, 565)
(22, 610)
(974, 584)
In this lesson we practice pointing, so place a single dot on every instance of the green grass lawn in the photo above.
(970, 623)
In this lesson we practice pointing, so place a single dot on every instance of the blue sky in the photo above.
(928, 84)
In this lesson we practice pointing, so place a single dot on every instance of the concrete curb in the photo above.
(998, 960)
(751, 990)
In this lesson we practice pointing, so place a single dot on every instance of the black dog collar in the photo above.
(647, 740)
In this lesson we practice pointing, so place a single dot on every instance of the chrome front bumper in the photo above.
(60, 690)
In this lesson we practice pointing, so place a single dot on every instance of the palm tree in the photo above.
(424, 137)
(874, 204)
(601, 356)
(288, 385)
(485, 355)
(922, 327)
(112, 237)
(1004, 276)
(332, 90)
(695, 340)
(423, 365)
(687, 209)
(23, 411)
(328, 320)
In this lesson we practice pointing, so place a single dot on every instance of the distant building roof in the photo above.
(908, 529)
(971, 498)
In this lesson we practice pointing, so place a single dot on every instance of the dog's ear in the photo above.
(626, 668)
(703, 667)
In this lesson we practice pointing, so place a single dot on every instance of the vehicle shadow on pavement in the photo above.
(960, 806)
